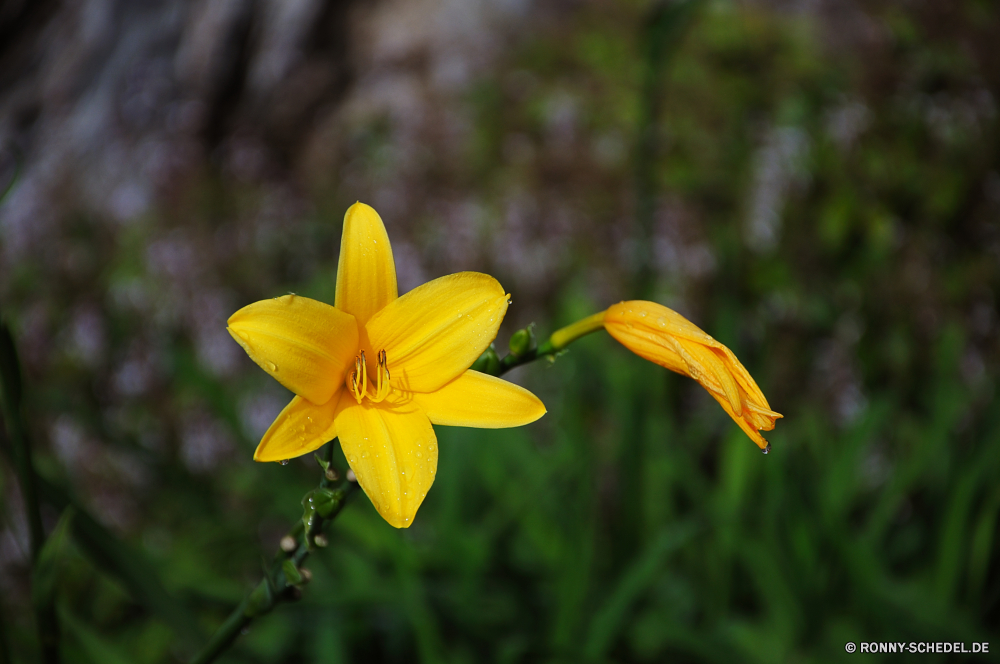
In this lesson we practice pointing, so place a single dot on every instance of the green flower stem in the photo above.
(557, 342)
(13, 415)
(275, 586)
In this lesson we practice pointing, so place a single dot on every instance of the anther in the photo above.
(358, 382)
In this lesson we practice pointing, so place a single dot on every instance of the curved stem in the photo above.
(275, 587)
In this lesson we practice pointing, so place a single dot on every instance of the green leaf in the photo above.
(609, 620)
(96, 648)
(43, 586)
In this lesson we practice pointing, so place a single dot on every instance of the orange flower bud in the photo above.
(663, 336)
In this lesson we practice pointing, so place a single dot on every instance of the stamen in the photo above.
(364, 374)
(354, 386)
(383, 388)
(358, 381)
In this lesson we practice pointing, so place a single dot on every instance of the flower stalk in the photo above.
(557, 342)
(284, 577)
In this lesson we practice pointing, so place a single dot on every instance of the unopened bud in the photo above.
(306, 573)
(320, 540)
(351, 477)
(288, 544)
(523, 342)
(488, 362)
(331, 475)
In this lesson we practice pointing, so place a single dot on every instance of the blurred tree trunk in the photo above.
(139, 93)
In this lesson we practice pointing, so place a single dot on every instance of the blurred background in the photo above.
(816, 183)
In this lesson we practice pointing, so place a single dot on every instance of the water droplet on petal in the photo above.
(284, 462)
(766, 449)
(272, 366)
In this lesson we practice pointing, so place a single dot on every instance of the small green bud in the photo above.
(523, 341)
(292, 575)
(320, 502)
(488, 362)
(321, 540)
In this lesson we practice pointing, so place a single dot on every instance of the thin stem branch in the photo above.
(11, 405)
(283, 578)
(557, 342)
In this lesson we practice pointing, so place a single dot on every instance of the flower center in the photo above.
(357, 382)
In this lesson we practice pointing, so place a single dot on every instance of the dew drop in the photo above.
(766, 449)
(272, 366)
(419, 454)
(284, 462)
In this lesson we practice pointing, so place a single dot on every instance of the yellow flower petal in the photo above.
(366, 273)
(305, 345)
(436, 331)
(300, 428)
(392, 449)
(664, 337)
(478, 400)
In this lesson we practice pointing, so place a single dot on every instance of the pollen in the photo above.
(357, 382)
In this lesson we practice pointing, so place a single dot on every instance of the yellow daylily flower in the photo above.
(663, 336)
(377, 370)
